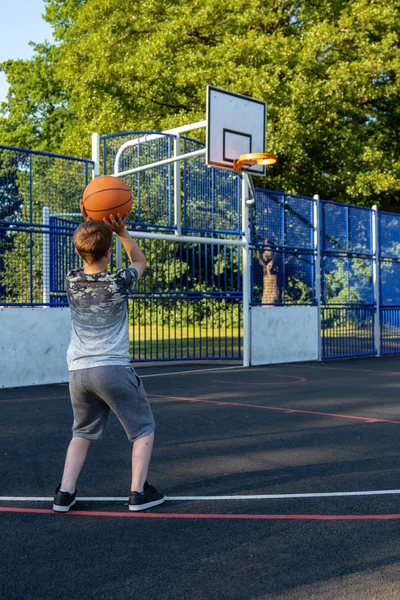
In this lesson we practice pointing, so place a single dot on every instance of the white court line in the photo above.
(187, 498)
(238, 367)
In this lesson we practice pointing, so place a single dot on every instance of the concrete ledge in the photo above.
(282, 334)
(33, 346)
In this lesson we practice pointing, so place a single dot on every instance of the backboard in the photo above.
(236, 125)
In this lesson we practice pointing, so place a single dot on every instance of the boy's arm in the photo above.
(136, 256)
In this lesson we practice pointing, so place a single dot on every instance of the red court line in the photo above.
(93, 513)
(285, 410)
(299, 380)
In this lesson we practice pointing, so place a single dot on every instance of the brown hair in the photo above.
(92, 239)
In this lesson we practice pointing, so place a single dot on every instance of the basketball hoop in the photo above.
(257, 158)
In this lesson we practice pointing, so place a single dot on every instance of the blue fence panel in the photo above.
(347, 288)
(346, 229)
(282, 220)
(347, 331)
(389, 281)
(389, 235)
(283, 249)
(62, 257)
(152, 190)
(390, 330)
(211, 197)
(188, 305)
(33, 183)
(347, 280)
(282, 277)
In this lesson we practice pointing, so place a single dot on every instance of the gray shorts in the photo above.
(96, 391)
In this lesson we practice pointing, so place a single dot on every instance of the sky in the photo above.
(20, 22)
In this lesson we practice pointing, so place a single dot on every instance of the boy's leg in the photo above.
(75, 459)
(141, 455)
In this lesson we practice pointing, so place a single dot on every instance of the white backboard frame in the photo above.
(236, 125)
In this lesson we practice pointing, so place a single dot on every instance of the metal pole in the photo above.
(159, 163)
(317, 247)
(376, 278)
(246, 272)
(177, 186)
(46, 256)
(96, 154)
(118, 253)
(186, 238)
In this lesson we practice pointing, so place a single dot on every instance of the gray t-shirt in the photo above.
(99, 331)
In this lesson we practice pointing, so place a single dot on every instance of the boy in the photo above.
(101, 376)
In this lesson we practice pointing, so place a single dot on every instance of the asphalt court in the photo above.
(282, 482)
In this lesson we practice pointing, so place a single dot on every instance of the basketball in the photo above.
(105, 196)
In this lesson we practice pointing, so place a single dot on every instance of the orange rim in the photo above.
(257, 158)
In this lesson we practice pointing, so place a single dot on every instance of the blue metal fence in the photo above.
(389, 281)
(153, 189)
(189, 304)
(283, 249)
(63, 257)
(347, 302)
(211, 197)
(32, 183)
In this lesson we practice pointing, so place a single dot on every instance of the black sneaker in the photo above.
(63, 500)
(150, 498)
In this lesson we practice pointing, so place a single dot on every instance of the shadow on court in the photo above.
(306, 439)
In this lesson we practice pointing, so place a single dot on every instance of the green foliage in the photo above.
(297, 291)
(36, 109)
(328, 70)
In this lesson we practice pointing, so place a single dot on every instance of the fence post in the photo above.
(317, 246)
(46, 256)
(177, 186)
(376, 278)
(96, 154)
(246, 273)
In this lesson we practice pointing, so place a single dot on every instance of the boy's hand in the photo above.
(83, 211)
(117, 225)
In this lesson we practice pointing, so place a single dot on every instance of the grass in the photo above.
(174, 342)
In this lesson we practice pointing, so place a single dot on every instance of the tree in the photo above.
(35, 113)
(328, 70)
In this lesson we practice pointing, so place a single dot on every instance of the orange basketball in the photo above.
(105, 196)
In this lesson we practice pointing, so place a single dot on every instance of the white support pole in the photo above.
(186, 238)
(177, 186)
(376, 278)
(46, 256)
(317, 246)
(159, 163)
(246, 285)
(96, 154)
(186, 128)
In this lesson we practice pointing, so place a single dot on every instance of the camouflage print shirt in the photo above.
(99, 330)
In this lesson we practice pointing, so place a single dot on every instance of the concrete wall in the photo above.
(284, 334)
(33, 346)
